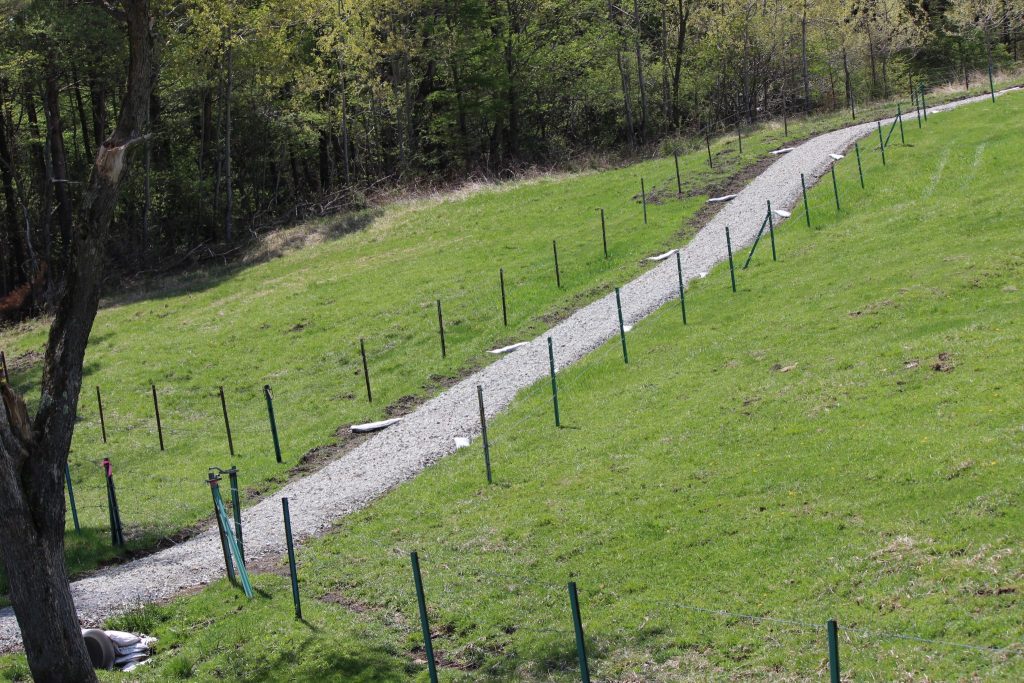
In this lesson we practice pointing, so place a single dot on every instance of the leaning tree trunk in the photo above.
(34, 451)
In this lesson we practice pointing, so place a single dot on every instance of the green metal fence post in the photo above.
(236, 509)
(833, 651)
(991, 80)
(366, 370)
(807, 208)
(604, 235)
(116, 531)
(622, 327)
(273, 421)
(227, 423)
(577, 624)
(440, 328)
(881, 142)
(504, 305)
(554, 382)
(771, 229)
(643, 199)
(103, 422)
(483, 431)
(924, 105)
(835, 186)
(156, 410)
(707, 141)
(71, 497)
(229, 567)
(732, 270)
(757, 240)
(860, 170)
(292, 568)
(679, 178)
(739, 135)
(899, 117)
(428, 644)
(558, 273)
(682, 285)
(232, 542)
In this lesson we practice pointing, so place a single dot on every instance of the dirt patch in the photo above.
(404, 405)
(731, 185)
(24, 362)
(944, 363)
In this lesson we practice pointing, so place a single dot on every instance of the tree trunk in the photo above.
(683, 16)
(641, 82)
(34, 452)
(58, 155)
(624, 74)
(229, 207)
(803, 56)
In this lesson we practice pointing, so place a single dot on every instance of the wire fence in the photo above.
(238, 422)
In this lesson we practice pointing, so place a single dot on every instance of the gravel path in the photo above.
(423, 437)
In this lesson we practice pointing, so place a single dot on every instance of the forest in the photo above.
(266, 112)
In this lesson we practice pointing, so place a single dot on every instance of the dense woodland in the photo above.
(270, 110)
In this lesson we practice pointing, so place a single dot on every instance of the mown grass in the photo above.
(839, 439)
(294, 322)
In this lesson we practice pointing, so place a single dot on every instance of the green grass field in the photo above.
(294, 322)
(839, 439)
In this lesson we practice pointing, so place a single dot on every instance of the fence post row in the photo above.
(428, 644)
(577, 623)
(483, 431)
(292, 569)
(273, 421)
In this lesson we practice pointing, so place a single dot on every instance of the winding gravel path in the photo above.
(423, 437)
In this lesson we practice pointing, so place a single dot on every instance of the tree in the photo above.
(34, 451)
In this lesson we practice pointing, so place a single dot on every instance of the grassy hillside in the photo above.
(839, 439)
(294, 322)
